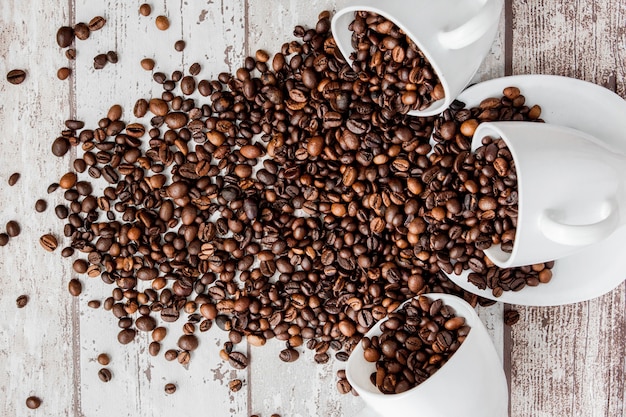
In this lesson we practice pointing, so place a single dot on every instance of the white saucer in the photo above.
(594, 110)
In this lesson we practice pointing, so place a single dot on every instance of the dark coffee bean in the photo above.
(97, 23)
(70, 54)
(13, 179)
(511, 317)
(21, 301)
(13, 228)
(126, 336)
(99, 61)
(48, 242)
(105, 375)
(16, 76)
(60, 146)
(4, 239)
(112, 57)
(289, 355)
(188, 342)
(81, 31)
(235, 385)
(65, 36)
(238, 360)
(75, 287)
(170, 388)
(33, 402)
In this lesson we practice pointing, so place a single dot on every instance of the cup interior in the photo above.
(343, 39)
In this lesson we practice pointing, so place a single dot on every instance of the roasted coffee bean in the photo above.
(65, 36)
(99, 61)
(33, 402)
(511, 317)
(13, 179)
(48, 242)
(126, 336)
(179, 45)
(103, 359)
(112, 57)
(13, 228)
(60, 146)
(188, 342)
(81, 31)
(289, 355)
(70, 54)
(162, 22)
(4, 239)
(170, 388)
(75, 287)
(16, 76)
(147, 64)
(235, 385)
(238, 360)
(105, 375)
(145, 9)
(97, 23)
(21, 301)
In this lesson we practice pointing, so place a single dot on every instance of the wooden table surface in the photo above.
(560, 361)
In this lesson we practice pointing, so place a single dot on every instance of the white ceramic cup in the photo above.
(455, 36)
(570, 190)
(472, 383)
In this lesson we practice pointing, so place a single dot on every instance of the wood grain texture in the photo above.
(564, 361)
(569, 360)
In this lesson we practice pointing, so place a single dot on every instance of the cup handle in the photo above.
(579, 235)
(474, 29)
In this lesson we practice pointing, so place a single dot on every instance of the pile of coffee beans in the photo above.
(391, 69)
(288, 205)
(414, 343)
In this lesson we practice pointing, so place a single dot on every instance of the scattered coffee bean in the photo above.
(33, 402)
(162, 22)
(145, 9)
(13, 179)
(103, 359)
(81, 31)
(100, 61)
(179, 45)
(4, 239)
(97, 23)
(65, 36)
(21, 301)
(235, 385)
(147, 64)
(63, 73)
(16, 76)
(112, 57)
(48, 242)
(75, 287)
(13, 228)
(170, 388)
(105, 375)
(41, 205)
(93, 304)
(70, 54)
(60, 146)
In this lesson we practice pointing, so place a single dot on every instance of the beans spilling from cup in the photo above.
(415, 342)
(392, 70)
(287, 206)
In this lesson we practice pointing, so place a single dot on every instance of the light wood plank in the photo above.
(569, 360)
(36, 342)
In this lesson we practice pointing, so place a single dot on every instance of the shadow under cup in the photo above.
(568, 190)
(471, 383)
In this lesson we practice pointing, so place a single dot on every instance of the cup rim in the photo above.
(431, 110)
(469, 315)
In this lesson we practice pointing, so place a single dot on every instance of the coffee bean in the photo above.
(21, 301)
(289, 355)
(48, 242)
(33, 402)
(511, 317)
(170, 388)
(13, 179)
(188, 342)
(145, 9)
(97, 23)
(99, 61)
(75, 287)
(70, 54)
(65, 36)
(103, 359)
(126, 336)
(16, 76)
(112, 57)
(145, 323)
(179, 45)
(13, 228)
(162, 22)
(81, 31)
(235, 385)
(60, 146)
(147, 64)
(105, 375)
(238, 360)
(4, 239)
